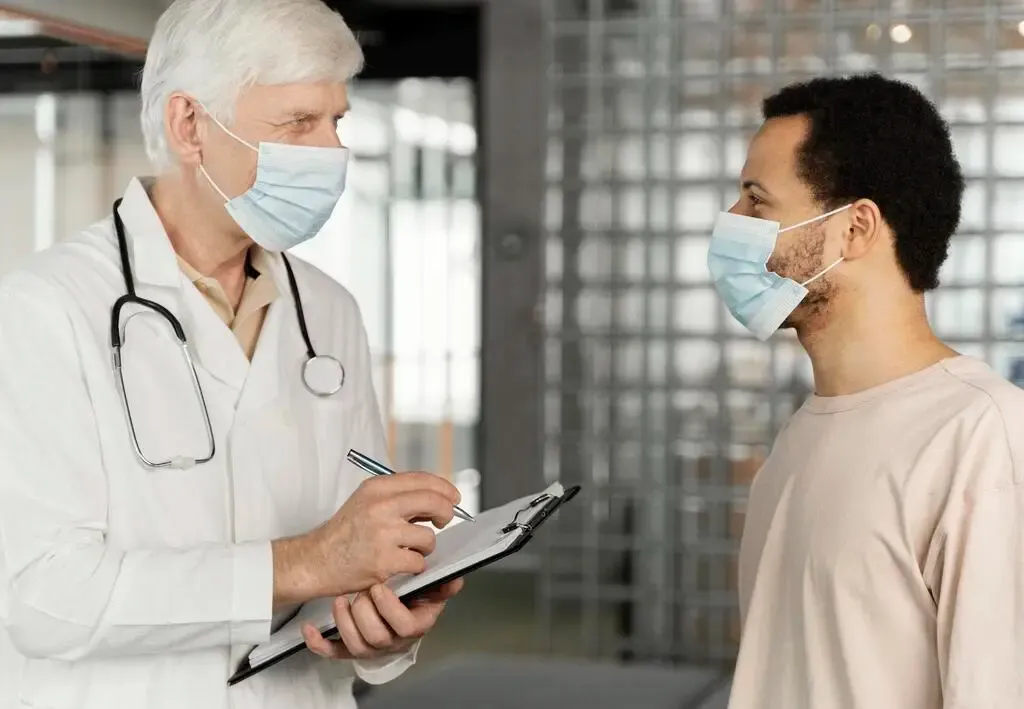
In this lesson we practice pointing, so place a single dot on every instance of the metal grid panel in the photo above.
(655, 399)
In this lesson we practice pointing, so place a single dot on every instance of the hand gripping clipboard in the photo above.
(461, 549)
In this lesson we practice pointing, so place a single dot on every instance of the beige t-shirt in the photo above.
(882, 561)
(258, 293)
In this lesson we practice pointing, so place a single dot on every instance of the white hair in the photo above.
(213, 50)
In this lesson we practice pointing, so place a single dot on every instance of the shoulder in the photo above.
(323, 288)
(57, 301)
(990, 410)
(70, 271)
(985, 384)
(330, 310)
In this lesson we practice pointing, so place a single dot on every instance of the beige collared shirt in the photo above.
(257, 295)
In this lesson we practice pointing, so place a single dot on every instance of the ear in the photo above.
(863, 231)
(183, 129)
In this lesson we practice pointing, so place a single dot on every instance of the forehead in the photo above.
(772, 155)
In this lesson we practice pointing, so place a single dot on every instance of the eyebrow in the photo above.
(297, 114)
(747, 184)
(304, 114)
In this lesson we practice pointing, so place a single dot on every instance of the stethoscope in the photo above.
(322, 375)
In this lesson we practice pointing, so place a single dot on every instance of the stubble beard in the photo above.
(804, 261)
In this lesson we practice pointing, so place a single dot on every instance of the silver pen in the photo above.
(372, 467)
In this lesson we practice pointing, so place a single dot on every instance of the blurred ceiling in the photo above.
(44, 56)
(119, 25)
(54, 45)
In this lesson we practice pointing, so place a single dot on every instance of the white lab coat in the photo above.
(123, 587)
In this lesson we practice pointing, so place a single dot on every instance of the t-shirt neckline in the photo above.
(835, 404)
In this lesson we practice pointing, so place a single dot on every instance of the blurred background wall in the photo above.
(532, 189)
(655, 398)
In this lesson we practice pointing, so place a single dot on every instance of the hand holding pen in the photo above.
(374, 467)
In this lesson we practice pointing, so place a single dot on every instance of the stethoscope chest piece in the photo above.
(323, 375)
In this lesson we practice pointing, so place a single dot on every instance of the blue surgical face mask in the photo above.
(738, 261)
(297, 188)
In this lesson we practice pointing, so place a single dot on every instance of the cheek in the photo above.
(782, 257)
(237, 169)
(249, 176)
(779, 265)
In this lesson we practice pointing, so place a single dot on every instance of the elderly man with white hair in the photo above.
(178, 396)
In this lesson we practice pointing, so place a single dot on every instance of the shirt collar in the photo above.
(260, 288)
(256, 264)
(154, 260)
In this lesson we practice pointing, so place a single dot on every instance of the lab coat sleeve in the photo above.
(980, 593)
(371, 439)
(70, 593)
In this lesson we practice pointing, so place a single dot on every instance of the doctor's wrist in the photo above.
(294, 578)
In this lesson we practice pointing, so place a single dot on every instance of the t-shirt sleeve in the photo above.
(979, 590)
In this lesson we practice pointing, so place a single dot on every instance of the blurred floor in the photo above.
(495, 613)
(487, 650)
(498, 682)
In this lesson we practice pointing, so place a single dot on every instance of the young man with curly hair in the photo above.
(882, 560)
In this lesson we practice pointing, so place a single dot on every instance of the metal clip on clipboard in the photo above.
(550, 502)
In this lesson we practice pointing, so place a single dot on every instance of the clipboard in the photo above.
(461, 549)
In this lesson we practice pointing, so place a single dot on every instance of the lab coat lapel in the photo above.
(265, 372)
(279, 349)
(213, 342)
(158, 277)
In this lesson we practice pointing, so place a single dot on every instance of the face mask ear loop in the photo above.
(812, 279)
(818, 218)
(202, 168)
(225, 128)
(213, 184)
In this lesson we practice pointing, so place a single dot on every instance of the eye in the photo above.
(302, 121)
(755, 200)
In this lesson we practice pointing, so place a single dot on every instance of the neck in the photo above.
(876, 340)
(200, 239)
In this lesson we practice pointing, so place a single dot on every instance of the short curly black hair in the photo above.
(876, 138)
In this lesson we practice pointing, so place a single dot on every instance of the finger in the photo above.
(319, 645)
(437, 594)
(347, 630)
(426, 611)
(418, 538)
(424, 505)
(444, 591)
(371, 625)
(434, 483)
(404, 561)
(402, 619)
(413, 482)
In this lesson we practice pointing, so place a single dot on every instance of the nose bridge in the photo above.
(741, 208)
(326, 136)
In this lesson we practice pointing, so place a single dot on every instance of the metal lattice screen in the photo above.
(655, 399)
